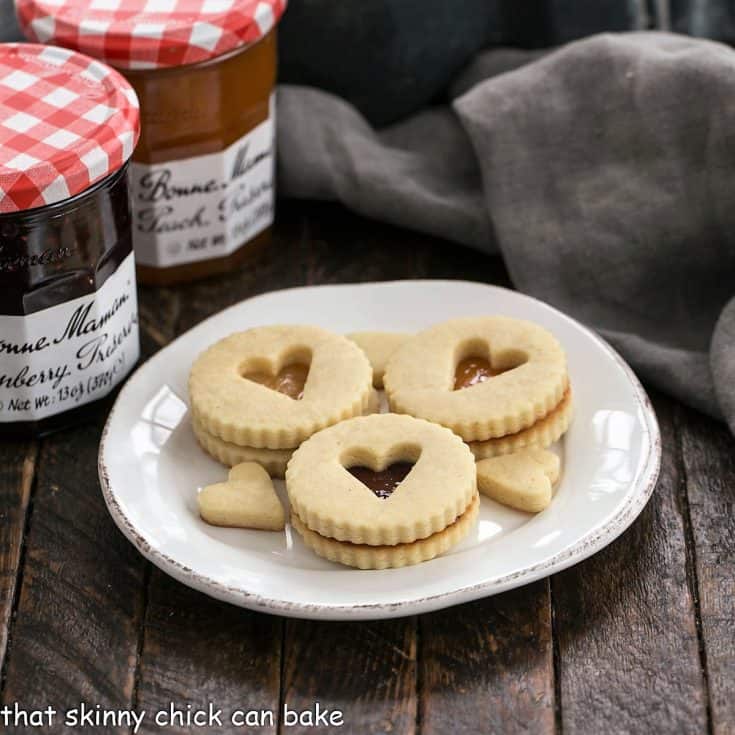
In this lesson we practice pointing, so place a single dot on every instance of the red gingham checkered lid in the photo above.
(66, 121)
(149, 34)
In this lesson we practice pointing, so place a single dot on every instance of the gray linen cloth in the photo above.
(604, 172)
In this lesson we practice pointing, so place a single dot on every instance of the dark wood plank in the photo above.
(625, 623)
(709, 462)
(171, 637)
(75, 636)
(445, 260)
(366, 671)
(348, 249)
(158, 316)
(17, 469)
(80, 609)
(377, 682)
(199, 651)
(196, 650)
(374, 679)
(488, 666)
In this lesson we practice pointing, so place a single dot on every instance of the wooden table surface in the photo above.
(638, 639)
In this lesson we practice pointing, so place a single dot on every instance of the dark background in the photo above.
(390, 57)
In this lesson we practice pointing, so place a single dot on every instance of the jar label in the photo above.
(70, 354)
(205, 207)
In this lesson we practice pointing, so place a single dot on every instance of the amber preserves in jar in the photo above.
(68, 308)
(203, 170)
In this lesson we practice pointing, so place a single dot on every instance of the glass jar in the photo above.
(68, 308)
(203, 173)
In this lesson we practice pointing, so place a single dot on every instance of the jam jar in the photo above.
(68, 308)
(204, 71)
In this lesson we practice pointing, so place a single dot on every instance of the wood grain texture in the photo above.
(17, 469)
(374, 680)
(158, 317)
(348, 249)
(367, 670)
(198, 651)
(488, 666)
(76, 629)
(626, 627)
(80, 609)
(95, 622)
(708, 451)
(195, 650)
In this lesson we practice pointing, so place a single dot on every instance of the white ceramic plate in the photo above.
(151, 467)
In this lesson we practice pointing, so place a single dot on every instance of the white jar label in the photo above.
(70, 354)
(205, 207)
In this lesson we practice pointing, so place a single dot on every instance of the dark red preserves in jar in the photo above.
(68, 307)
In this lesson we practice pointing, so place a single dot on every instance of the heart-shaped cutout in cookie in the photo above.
(288, 377)
(522, 480)
(289, 380)
(381, 472)
(382, 482)
(473, 370)
(247, 499)
(475, 365)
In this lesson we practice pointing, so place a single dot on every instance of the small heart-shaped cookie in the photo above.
(522, 480)
(246, 500)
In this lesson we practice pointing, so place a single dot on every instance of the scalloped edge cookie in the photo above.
(379, 347)
(364, 556)
(419, 378)
(273, 460)
(244, 412)
(331, 502)
(542, 434)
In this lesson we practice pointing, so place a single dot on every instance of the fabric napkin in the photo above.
(604, 172)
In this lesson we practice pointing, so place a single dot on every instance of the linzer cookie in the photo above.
(540, 435)
(364, 556)
(273, 460)
(382, 481)
(482, 377)
(272, 387)
(379, 347)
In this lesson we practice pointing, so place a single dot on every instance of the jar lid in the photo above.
(149, 34)
(66, 121)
